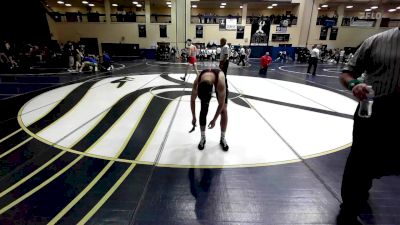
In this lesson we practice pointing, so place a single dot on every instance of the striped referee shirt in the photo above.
(379, 58)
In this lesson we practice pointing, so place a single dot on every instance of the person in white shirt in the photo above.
(313, 61)
(218, 53)
(224, 58)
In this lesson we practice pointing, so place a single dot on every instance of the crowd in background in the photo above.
(211, 52)
(22, 57)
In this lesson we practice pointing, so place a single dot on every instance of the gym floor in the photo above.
(116, 149)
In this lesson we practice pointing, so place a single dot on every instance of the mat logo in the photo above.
(146, 119)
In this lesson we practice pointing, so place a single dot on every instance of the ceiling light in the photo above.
(91, 4)
(374, 7)
(169, 6)
(223, 3)
(241, 7)
(168, 3)
(135, 3)
(194, 6)
(60, 2)
(270, 7)
(398, 7)
(367, 10)
(274, 4)
(222, 6)
(139, 5)
(319, 8)
(391, 10)
(349, 7)
(85, 2)
(115, 5)
(69, 5)
(324, 6)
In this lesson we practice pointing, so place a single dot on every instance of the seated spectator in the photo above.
(107, 63)
(89, 62)
(7, 55)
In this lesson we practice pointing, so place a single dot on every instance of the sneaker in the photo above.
(224, 145)
(202, 144)
(183, 78)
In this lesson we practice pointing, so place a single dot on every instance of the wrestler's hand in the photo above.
(212, 124)
(194, 120)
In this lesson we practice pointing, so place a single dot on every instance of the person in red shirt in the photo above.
(265, 61)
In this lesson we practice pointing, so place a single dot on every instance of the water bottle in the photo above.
(365, 110)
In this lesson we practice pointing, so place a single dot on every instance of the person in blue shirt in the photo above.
(89, 61)
(107, 63)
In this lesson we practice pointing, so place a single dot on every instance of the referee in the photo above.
(313, 61)
(375, 151)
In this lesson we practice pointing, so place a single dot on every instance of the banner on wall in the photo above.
(260, 31)
(231, 24)
(324, 33)
(163, 31)
(240, 32)
(222, 24)
(362, 23)
(227, 24)
(334, 32)
(199, 31)
(142, 30)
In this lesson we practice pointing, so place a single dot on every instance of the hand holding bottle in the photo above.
(365, 109)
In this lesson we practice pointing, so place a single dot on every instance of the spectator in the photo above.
(89, 62)
(313, 61)
(265, 61)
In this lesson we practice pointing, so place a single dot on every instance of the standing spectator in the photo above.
(218, 53)
(78, 59)
(224, 61)
(248, 53)
(80, 17)
(70, 53)
(265, 61)
(242, 55)
(375, 150)
(313, 61)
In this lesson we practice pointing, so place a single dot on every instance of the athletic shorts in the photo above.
(192, 60)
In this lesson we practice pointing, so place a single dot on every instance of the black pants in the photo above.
(263, 71)
(313, 61)
(375, 152)
(225, 67)
(242, 57)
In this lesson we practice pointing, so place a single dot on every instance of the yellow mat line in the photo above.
(31, 174)
(101, 174)
(93, 211)
(15, 147)
(80, 195)
(26, 195)
(10, 135)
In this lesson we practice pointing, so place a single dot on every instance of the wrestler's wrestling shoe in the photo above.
(224, 145)
(202, 144)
